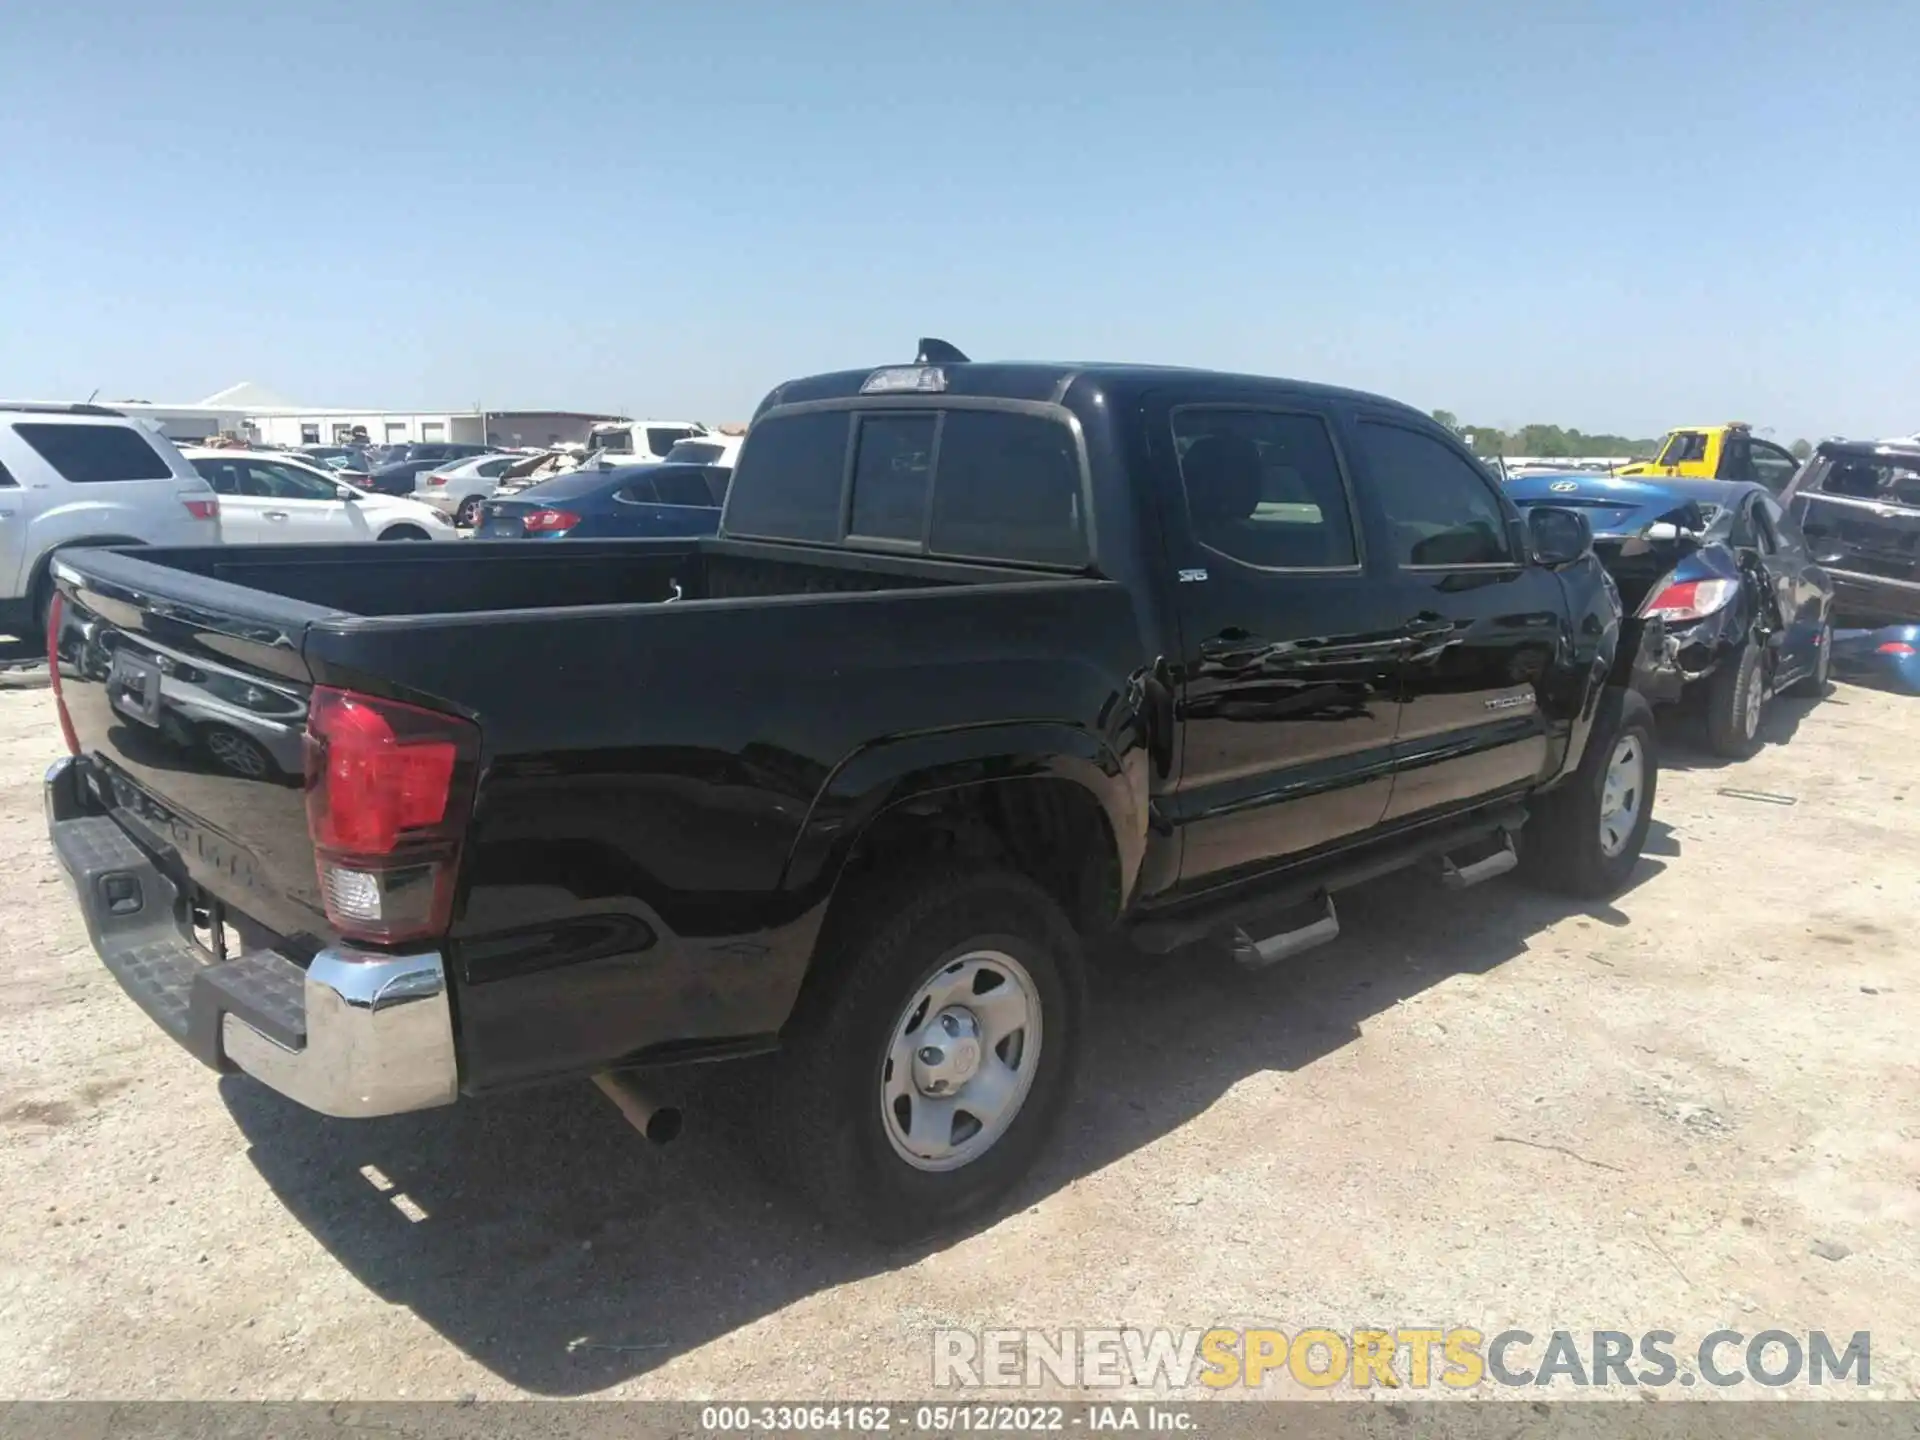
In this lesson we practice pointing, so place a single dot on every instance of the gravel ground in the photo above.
(1499, 1110)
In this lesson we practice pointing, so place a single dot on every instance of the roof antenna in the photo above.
(939, 352)
(89, 399)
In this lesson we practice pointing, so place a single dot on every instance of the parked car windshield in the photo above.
(696, 452)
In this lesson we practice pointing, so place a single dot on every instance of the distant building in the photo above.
(258, 414)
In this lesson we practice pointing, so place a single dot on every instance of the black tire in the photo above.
(468, 515)
(827, 1133)
(1817, 685)
(1562, 847)
(403, 532)
(1736, 701)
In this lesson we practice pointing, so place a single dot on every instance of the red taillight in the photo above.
(1892, 647)
(54, 610)
(1692, 599)
(436, 479)
(203, 509)
(546, 522)
(388, 791)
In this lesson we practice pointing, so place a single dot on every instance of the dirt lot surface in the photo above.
(1692, 1108)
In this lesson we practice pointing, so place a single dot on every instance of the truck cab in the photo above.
(1720, 452)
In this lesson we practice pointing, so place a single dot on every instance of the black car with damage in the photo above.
(1746, 608)
(1859, 504)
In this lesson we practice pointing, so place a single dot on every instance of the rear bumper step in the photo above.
(354, 1033)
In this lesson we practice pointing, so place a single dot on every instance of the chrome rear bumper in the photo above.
(354, 1033)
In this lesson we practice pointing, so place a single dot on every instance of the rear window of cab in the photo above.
(961, 483)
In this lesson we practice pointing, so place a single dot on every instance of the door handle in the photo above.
(1427, 627)
(276, 515)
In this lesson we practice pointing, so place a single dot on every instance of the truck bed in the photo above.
(496, 576)
(651, 766)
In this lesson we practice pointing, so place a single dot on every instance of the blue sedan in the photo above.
(606, 501)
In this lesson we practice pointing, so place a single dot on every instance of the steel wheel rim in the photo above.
(1621, 795)
(960, 1061)
(1750, 718)
(236, 754)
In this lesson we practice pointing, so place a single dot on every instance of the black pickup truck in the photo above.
(987, 660)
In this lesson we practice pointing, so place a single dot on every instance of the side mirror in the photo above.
(1559, 536)
(341, 492)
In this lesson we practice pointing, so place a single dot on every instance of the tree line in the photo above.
(1551, 442)
(1547, 441)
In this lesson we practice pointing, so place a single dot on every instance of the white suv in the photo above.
(86, 475)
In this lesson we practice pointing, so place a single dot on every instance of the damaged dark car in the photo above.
(1859, 504)
(1747, 607)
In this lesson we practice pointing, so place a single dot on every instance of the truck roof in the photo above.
(1050, 381)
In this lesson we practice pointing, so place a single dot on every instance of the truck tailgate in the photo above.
(191, 709)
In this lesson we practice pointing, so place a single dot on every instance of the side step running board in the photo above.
(1255, 954)
(1459, 877)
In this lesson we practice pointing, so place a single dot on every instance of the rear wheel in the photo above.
(1816, 685)
(404, 532)
(1585, 837)
(468, 515)
(1736, 702)
(921, 1086)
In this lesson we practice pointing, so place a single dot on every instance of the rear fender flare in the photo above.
(886, 775)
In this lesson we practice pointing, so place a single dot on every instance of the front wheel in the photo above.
(1585, 837)
(468, 515)
(921, 1086)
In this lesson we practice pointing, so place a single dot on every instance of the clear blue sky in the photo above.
(1618, 215)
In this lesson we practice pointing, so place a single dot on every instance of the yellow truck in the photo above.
(1719, 452)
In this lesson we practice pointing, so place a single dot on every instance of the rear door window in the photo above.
(1440, 510)
(1889, 484)
(682, 487)
(223, 475)
(95, 454)
(1264, 487)
(892, 472)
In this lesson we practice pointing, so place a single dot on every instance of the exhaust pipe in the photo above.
(659, 1123)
